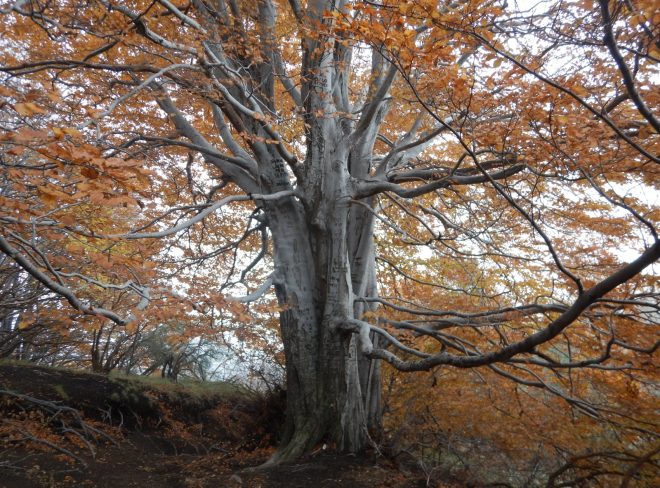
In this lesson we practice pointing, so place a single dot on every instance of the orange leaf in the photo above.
(28, 109)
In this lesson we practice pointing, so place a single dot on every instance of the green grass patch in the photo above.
(184, 387)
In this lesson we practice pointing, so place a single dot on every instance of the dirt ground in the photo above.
(155, 437)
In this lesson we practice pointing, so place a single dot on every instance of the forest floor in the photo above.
(64, 428)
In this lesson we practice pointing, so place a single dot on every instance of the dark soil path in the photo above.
(164, 436)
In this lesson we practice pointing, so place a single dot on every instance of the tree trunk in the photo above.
(333, 395)
(324, 402)
(363, 277)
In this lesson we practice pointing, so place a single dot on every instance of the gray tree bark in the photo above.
(324, 256)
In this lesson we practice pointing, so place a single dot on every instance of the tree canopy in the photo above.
(435, 186)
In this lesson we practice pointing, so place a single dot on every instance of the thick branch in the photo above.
(628, 80)
(551, 331)
(367, 188)
(199, 217)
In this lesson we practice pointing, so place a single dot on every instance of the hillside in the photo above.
(65, 428)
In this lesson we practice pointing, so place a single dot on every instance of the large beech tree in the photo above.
(337, 153)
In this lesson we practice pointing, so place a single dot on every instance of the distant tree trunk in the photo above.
(95, 351)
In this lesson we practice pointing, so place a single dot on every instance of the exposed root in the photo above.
(62, 419)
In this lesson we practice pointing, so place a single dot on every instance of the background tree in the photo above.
(489, 169)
